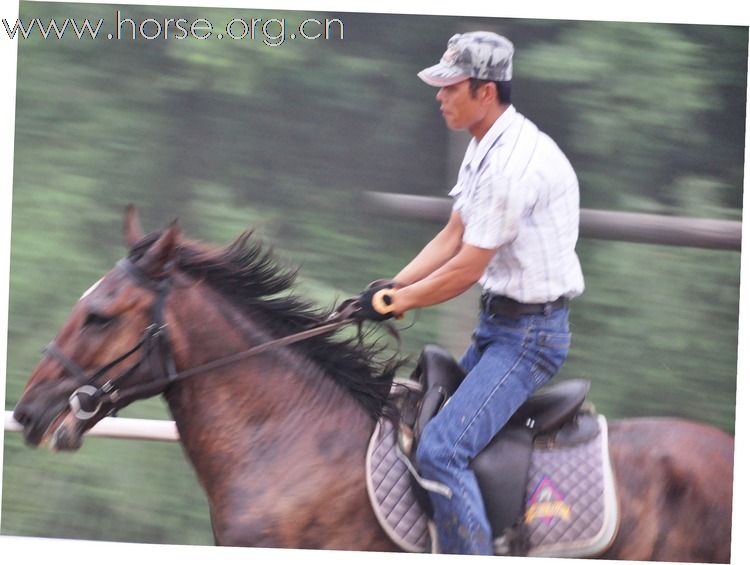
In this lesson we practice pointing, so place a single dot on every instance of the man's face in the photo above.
(460, 108)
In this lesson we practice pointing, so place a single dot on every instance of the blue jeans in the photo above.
(508, 360)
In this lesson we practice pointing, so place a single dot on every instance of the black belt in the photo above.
(497, 304)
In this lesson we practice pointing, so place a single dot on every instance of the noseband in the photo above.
(88, 399)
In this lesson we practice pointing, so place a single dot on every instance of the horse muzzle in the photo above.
(68, 435)
(52, 425)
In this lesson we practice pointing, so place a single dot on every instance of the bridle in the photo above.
(154, 346)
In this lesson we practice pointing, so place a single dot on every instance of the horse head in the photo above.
(108, 350)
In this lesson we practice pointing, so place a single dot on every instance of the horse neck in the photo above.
(277, 398)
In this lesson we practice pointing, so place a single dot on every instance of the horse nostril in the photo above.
(22, 415)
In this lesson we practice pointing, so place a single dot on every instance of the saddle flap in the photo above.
(440, 375)
(502, 469)
(549, 409)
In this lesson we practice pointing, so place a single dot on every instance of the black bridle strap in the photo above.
(139, 390)
(109, 391)
(161, 287)
(153, 336)
(141, 277)
(79, 373)
(71, 366)
(156, 337)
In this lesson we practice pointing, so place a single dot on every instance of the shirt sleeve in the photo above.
(493, 216)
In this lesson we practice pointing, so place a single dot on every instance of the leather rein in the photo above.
(87, 400)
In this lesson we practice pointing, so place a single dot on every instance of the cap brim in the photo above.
(441, 75)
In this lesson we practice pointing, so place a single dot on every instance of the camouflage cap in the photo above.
(477, 54)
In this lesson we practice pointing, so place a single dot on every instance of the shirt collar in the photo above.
(476, 152)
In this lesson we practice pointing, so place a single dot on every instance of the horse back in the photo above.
(674, 483)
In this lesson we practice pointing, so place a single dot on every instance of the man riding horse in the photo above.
(513, 229)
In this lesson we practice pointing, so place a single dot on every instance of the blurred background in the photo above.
(231, 134)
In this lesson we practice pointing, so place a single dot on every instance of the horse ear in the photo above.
(132, 227)
(157, 261)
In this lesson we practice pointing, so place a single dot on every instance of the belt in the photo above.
(497, 304)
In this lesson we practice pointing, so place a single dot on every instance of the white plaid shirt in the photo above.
(518, 193)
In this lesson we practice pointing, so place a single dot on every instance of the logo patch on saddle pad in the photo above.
(546, 503)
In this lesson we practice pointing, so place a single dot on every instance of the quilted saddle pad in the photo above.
(571, 504)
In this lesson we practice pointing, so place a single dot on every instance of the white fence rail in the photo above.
(120, 428)
(595, 224)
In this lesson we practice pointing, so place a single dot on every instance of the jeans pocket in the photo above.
(554, 340)
(552, 350)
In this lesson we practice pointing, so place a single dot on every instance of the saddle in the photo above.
(554, 416)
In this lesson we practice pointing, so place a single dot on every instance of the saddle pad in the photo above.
(571, 504)
(389, 487)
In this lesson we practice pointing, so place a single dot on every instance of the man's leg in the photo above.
(506, 374)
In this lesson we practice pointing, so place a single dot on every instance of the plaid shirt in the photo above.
(518, 193)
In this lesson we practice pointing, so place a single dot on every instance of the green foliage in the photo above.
(658, 347)
(646, 101)
(230, 135)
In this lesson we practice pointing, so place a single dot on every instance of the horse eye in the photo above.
(97, 320)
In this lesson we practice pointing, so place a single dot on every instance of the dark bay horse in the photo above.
(278, 439)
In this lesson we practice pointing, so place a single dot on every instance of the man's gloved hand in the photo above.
(375, 301)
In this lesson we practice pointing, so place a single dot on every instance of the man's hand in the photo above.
(375, 302)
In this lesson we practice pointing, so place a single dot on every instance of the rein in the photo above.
(87, 400)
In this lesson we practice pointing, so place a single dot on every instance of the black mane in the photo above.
(250, 278)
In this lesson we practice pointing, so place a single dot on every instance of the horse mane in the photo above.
(248, 275)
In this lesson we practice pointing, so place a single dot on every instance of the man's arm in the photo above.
(454, 277)
(445, 245)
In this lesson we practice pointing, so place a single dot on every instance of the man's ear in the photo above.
(489, 92)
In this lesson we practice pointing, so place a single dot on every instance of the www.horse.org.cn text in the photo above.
(272, 32)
